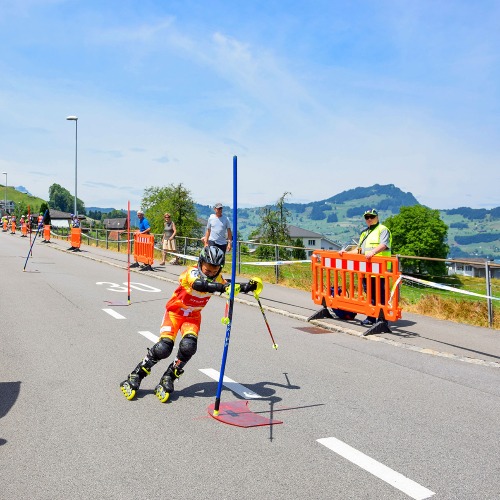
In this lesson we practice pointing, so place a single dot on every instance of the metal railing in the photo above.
(276, 256)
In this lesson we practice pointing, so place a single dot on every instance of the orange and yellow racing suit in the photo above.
(183, 310)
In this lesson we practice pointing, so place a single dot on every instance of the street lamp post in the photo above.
(5, 206)
(75, 119)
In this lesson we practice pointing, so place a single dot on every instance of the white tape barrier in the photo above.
(275, 263)
(183, 256)
(272, 263)
(439, 286)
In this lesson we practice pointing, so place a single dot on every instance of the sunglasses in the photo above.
(370, 216)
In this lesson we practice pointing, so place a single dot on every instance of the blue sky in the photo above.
(313, 96)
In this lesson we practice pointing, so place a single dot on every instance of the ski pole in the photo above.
(275, 345)
(34, 239)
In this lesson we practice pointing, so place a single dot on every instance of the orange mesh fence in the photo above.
(144, 248)
(350, 282)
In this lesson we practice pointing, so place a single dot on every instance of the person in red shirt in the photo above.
(183, 314)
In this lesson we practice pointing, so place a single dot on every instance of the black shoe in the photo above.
(368, 322)
(130, 386)
(135, 264)
(166, 385)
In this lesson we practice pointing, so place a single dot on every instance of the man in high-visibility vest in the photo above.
(376, 239)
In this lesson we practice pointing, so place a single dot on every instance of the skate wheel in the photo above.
(162, 394)
(128, 391)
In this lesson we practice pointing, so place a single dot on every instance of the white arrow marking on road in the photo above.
(150, 336)
(113, 313)
(402, 483)
(239, 389)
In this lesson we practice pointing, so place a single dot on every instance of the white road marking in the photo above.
(113, 313)
(239, 389)
(402, 483)
(150, 336)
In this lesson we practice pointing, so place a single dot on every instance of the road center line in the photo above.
(113, 313)
(149, 336)
(239, 389)
(402, 483)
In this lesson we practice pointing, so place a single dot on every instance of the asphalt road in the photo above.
(361, 420)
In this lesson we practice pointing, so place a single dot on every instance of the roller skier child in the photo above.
(183, 313)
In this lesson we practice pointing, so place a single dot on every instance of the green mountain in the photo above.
(339, 217)
(472, 232)
(16, 196)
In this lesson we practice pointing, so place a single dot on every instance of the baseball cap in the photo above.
(218, 205)
(371, 212)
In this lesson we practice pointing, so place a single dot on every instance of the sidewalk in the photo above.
(416, 332)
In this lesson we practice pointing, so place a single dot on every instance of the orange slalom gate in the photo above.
(144, 248)
(338, 284)
(75, 239)
(46, 233)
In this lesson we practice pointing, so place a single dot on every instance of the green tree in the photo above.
(419, 231)
(273, 229)
(95, 214)
(61, 199)
(299, 253)
(20, 209)
(177, 201)
(114, 214)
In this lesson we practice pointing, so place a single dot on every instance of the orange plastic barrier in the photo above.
(46, 233)
(76, 237)
(144, 248)
(338, 284)
(24, 230)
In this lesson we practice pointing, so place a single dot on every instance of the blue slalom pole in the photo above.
(233, 281)
(34, 239)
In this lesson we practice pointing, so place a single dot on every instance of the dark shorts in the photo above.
(222, 247)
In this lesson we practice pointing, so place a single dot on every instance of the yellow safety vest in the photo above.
(373, 240)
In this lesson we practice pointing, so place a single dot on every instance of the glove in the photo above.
(259, 286)
(248, 287)
(237, 289)
(254, 285)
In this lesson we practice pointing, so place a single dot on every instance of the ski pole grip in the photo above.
(259, 287)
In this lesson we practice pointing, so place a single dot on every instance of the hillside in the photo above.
(18, 197)
(472, 232)
(338, 217)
